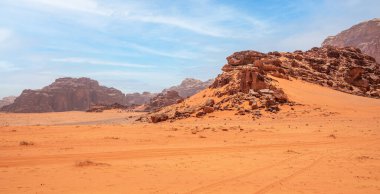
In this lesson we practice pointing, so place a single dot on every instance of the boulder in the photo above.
(159, 117)
(200, 114)
(210, 102)
(208, 109)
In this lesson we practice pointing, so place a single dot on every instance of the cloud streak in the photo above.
(85, 6)
(5, 34)
(150, 51)
(7, 67)
(155, 42)
(89, 61)
(209, 22)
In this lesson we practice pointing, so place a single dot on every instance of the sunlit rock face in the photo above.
(365, 36)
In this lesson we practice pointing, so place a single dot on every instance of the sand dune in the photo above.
(328, 144)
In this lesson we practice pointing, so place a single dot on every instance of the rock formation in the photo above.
(345, 69)
(365, 36)
(247, 86)
(65, 94)
(190, 86)
(163, 99)
(175, 94)
(138, 98)
(7, 101)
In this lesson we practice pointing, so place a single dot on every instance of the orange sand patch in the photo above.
(329, 144)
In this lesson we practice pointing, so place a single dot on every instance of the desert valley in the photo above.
(275, 122)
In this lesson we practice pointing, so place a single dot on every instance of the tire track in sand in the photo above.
(287, 178)
(142, 153)
(223, 181)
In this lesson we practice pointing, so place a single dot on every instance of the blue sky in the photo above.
(152, 44)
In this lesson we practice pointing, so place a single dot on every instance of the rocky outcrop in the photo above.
(190, 86)
(345, 69)
(7, 101)
(163, 99)
(247, 84)
(365, 36)
(65, 94)
(138, 98)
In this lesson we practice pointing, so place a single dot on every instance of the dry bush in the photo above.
(332, 136)
(26, 143)
(86, 163)
(115, 138)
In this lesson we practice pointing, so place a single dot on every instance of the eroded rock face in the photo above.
(163, 99)
(247, 87)
(345, 69)
(189, 87)
(365, 36)
(65, 94)
(7, 101)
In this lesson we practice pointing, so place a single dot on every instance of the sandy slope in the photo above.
(330, 144)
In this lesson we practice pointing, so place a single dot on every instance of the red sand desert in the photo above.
(330, 143)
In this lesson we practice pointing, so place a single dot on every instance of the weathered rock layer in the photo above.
(247, 85)
(65, 94)
(345, 69)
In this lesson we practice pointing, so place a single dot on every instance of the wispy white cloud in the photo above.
(5, 34)
(129, 74)
(208, 22)
(89, 61)
(86, 6)
(302, 41)
(173, 54)
(183, 23)
(8, 67)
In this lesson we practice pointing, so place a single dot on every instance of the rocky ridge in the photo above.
(163, 99)
(190, 86)
(247, 85)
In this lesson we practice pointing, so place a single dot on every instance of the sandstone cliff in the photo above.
(65, 94)
(247, 85)
(365, 36)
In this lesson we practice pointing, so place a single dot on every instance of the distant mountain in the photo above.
(80, 94)
(7, 101)
(138, 98)
(163, 99)
(65, 94)
(189, 87)
(365, 36)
